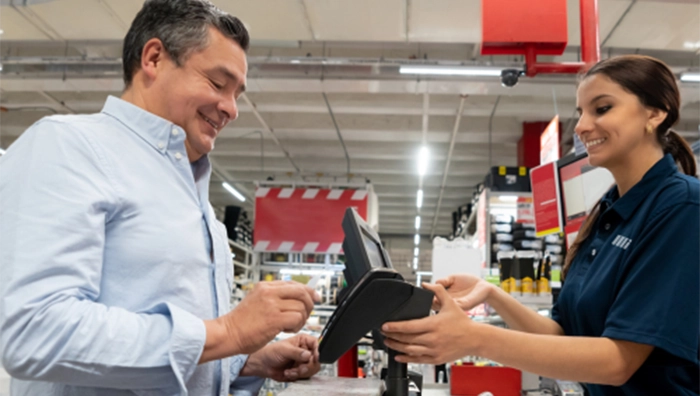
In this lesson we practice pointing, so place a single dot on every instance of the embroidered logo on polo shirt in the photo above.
(622, 242)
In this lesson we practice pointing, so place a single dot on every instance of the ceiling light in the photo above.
(415, 252)
(417, 222)
(416, 239)
(419, 199)
(415, 263)
(233, 191)
(423, 155)
(508, 198)
(2, 152)
(690, 77)
(691, 45)
(451, 71)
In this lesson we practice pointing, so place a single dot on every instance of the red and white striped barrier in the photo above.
(306, 220)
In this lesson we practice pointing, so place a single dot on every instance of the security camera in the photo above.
(509, 77)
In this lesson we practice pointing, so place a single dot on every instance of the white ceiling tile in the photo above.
(658, 26)
(281, 20)
(453, 21)
(16, 27)
(125, 10)
(358, 20)
(80, 20)
(609, 12)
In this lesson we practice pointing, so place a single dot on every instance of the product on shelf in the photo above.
(501, 228)
(526, 244)
(502, 238)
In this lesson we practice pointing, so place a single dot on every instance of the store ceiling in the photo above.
(63, 56)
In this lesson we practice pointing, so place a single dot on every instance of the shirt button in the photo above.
(593, 252)
(161, 145)
(607, 226)
(178, 156)
(175, 132)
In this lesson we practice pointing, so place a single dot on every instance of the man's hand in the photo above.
(468, 291)
(269, 309)
(288, 360)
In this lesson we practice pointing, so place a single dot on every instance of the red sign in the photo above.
(545, 196)
(303, 220)
(525, 214)
(549, 142)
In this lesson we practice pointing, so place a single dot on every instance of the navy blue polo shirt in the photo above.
(636, 278)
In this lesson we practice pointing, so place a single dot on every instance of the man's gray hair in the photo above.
(183, 28)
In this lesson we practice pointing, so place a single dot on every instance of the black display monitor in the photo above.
(362, 247)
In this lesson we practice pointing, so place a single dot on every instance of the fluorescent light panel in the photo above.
(416, 240)
(417, 222)
(690, 77)
(451, 71)
(415, 252)
(233, 191)
(423, 155)
(419, 199)
(415, 263)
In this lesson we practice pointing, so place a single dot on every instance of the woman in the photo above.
(627, 319)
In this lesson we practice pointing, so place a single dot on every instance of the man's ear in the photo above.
(152, 58)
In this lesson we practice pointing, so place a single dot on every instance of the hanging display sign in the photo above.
(304, 220)
(545, 196)
(549, 142)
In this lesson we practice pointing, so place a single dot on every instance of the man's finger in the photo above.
(297, 291)
(292, 321)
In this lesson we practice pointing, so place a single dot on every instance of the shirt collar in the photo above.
(628, 203)
(156, 131)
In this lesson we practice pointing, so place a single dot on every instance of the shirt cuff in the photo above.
(187, 344)
(246, 386)
(243, 386)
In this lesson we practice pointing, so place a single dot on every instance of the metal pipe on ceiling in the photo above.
(272, 132)
(447, 162)
(590, 46)
(340, 136)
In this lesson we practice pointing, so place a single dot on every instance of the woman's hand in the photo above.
(437, 339)
(468, 291)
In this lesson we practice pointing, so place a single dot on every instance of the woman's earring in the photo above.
(650, 129)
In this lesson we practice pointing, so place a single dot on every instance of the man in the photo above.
(115, 273)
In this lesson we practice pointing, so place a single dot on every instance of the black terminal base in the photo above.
(398, 381)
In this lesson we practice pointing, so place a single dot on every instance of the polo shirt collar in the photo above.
(627, 204)
(156, 131)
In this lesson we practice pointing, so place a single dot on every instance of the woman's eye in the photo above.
(602, 110)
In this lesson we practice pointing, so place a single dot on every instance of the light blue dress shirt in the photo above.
(110, 259)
